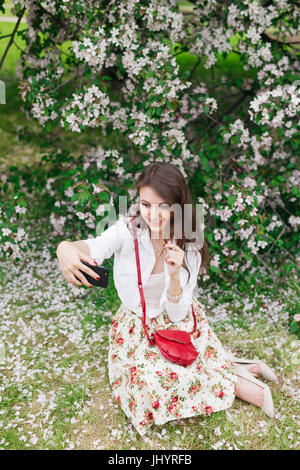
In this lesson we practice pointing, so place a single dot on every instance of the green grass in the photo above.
(61, 398)
(14, 52)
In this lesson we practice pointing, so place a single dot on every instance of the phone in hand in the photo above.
(101, 271)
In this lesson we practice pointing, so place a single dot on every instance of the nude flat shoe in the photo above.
(268, 405)
(267, 372)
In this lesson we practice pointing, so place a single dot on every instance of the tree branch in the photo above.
(237, 103)
(213, 124)
(279, 236)
(64, 83)
(233, 286)
(10, 42)
(268, 38)
(6, 36)
(273, 276)
(194, 68)
(20, 48)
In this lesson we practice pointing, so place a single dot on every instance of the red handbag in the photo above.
(175, 345)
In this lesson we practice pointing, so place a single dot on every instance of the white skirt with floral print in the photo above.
(152, 390)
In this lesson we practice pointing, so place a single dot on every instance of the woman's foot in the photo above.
(253, 368)
(253, 391)
(257, 367)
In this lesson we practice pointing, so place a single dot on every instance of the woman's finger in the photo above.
(174, 248)
(172, 259)
(72, 279)
(173, 253)
(87, 270)
(88, 259)
(82, 278)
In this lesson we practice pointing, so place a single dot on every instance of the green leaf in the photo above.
(149, 74)
(294, 327)
(288, 268)
(204, 162)
(231, 200)
(185, 75)
(170, 67)
(104, 196)
(214, 269)
(102, 186)
(150, 112)
(84, 196)
(281, 178)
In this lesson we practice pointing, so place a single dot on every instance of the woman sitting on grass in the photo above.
(149, 388)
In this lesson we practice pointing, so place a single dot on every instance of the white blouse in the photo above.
(117, 239)
(152, 292)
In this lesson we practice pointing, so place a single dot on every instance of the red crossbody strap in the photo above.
(140, 283)
(141, 287)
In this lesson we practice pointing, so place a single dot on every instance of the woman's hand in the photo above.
(174, 258)
(70, 257)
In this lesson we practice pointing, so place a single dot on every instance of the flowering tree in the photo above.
(232, 129)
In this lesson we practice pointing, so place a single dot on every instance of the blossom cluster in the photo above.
(124, 64)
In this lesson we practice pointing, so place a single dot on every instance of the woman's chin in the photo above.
(154, 225)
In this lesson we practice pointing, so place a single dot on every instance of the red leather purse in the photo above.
(175, 345)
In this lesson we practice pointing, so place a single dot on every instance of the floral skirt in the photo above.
(152, 390)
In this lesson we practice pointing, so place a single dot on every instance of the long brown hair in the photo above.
(169, 183)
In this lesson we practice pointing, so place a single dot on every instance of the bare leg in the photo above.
(249, 391)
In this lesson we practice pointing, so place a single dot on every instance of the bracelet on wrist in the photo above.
(174, 297)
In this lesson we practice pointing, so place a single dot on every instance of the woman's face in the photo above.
(154, 210)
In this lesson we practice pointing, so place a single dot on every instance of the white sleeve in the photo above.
(106, 244)
(177, 311)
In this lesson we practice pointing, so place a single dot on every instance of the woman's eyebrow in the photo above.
(143, 200)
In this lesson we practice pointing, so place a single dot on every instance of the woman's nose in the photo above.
(155, 212)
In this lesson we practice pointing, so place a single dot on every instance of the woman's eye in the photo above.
(162, 206)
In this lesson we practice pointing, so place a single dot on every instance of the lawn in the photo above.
(55, 392)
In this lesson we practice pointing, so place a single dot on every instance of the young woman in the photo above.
(149, 388)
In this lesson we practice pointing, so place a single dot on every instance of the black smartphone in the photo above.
(101, 271)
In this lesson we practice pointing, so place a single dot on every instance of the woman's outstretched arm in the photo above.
(70, 256)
